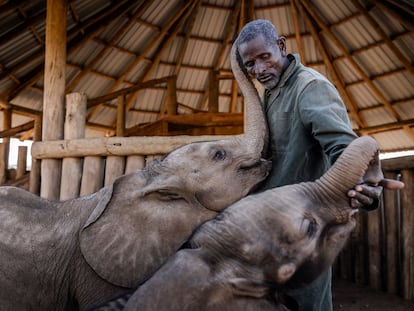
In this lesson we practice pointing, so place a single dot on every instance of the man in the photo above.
(309, 128)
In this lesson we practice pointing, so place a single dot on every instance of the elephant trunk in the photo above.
(358, 160)
(255, 136)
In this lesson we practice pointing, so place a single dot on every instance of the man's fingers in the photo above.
(391, 184)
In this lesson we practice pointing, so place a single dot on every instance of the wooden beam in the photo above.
(347, 98)
(229, 36)
(354, 64)
(17, 129)
(54, 94)
(386, 127)
(400, 56)
(106, 49)
(297, 31)
(121, 146)
(87, 30)
(213, 92)
(172, 30)
(140, 85)
(120, 116)
(172, 96)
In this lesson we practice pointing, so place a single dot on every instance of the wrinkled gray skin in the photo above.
(75, 254)
(264, 244)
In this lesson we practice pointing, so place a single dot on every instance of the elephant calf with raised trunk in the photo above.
(263, 245)
(74, 254)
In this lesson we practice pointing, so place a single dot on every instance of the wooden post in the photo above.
(120, 116)
(3, 168)
(374, 249)
(34, 184)
(7, 124)
(134, 163)
(74, 128)
(54, 92)
(407, 233)
(114, 168)
(21, 161)
(172, 96)
(115, 165)
(360, 249)
(213, 88)
(391, 225)
(93, 175)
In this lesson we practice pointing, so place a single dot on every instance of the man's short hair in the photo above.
(258, 27)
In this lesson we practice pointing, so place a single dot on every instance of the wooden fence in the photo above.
(380, 252)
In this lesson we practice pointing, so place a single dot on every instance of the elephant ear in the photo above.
(134, 230)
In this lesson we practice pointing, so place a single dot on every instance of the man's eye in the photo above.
(219, 155)
(249, 65)
(265, 56)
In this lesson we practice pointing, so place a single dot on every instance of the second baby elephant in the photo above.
(248, 256)
(74, 254)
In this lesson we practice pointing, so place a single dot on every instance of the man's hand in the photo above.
(366, 197)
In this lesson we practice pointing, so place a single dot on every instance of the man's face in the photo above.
(266, 61)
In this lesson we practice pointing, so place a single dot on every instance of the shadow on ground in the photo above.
(348, 296)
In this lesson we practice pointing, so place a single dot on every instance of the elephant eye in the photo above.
(312, 227)
(309, 226)
(219, 155)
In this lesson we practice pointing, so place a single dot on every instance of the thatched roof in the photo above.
(365, 47)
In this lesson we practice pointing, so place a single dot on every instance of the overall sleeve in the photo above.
(324, 115)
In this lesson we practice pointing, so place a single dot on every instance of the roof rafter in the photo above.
(406, 63)
(346, 96)
(348, 56)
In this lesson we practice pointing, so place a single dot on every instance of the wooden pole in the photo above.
(3, 168)
(374, 249)
(172, 96)
(54, 92)
(125, 146)
(34, 183)
(213, 86)
(391, 222)
(7, 124)
(407, 233)
(93, 175)
(74, 128)
(134, 163)
(114, 168)
(21, 161)
(120, 116)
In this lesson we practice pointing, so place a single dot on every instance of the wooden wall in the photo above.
(380, 252)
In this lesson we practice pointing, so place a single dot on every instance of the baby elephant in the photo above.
(249, 255)
(75, 254)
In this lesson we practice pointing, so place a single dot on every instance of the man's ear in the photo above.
(281, 42)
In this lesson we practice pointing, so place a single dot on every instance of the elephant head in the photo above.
(146, 216)
(264, 244)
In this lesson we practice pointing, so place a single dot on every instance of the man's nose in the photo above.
(259, 68)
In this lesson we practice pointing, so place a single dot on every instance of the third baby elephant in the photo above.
(74, 254)
(248, 256)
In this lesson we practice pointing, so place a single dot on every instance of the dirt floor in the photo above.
(348, 296)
